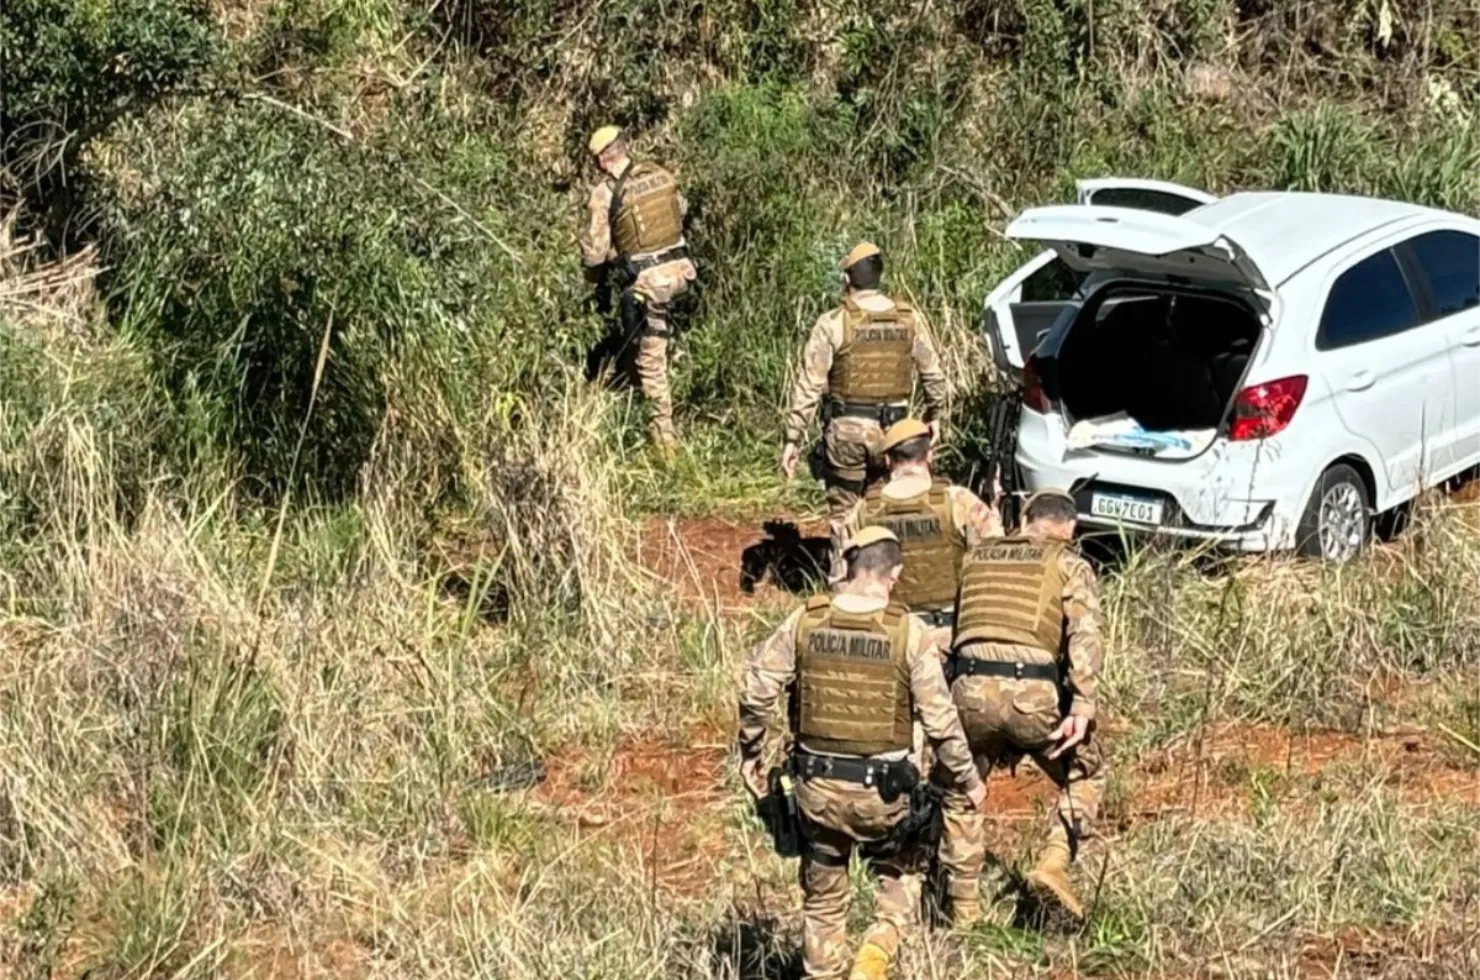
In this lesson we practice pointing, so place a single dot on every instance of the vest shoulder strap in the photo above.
(939, 498)
(617, 184)
(850, 315)
(894, 615)
(815, 615)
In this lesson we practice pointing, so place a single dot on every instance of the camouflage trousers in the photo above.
(648, 353)
(645, 315)
(1005, 720)
(840, 819)
(853, 458)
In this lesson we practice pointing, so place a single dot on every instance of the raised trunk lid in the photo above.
(1091, 238)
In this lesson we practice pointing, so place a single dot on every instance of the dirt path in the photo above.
(735, 565)
(668, 801)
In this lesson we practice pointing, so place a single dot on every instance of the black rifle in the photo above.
(1003, 414)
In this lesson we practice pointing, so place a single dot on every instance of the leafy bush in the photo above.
(72, 66)
(261, 234)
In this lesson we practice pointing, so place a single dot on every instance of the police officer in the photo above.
(635, 230)
(1026, 660)
(860, 672)
(935, 521)
(864, 357)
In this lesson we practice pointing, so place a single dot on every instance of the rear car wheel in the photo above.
(1338, 518)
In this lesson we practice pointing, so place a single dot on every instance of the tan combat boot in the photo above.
(966, 906)
(1049, 879)
(871, 963)
(665, 447)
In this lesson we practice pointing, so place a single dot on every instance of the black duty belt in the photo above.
(938, 617)
(658, 258)
(864, 772)
(967, 667)
(885, 415)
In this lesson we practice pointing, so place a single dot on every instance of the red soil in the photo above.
(701, 558)
(662, 800)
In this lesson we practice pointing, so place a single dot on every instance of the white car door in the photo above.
(1023, 306)
(1447, 260)
(1390, 374)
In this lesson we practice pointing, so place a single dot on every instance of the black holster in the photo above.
(817, 462)
(900, 778)
(922, 826)
(778, 812)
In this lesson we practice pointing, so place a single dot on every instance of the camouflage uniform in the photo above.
(1005, 719)
(653, 290)
(840, 818)
(972, 518)
(852, 444)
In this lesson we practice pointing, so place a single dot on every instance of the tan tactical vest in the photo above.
(1012, 591)
(646, 216)
(875, 365)
(932, 546)
(852, 693)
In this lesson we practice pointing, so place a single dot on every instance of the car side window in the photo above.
(1143, 200)
(1054, 282)
(1450, 260)
(1369, 301)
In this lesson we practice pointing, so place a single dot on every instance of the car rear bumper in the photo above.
(1244, 496)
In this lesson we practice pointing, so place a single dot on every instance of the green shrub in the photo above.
(71, 66)
(263, 233)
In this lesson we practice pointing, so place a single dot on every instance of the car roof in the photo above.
(1289, 230)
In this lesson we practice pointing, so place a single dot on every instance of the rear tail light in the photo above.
(1261, 411)
(1033, 394)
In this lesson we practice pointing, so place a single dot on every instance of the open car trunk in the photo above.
(1153, 369)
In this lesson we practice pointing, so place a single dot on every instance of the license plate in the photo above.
(1132, 510)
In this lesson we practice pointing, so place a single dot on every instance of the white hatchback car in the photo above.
(1262, 371)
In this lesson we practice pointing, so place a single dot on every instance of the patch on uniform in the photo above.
(849, 644)
(648, 182)
(1008, 553)
(880, 334)
(913, 527)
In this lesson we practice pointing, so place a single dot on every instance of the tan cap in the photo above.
(602, 138)
(1047, 492)
(867, 536)
(903, 431)
(860, 251)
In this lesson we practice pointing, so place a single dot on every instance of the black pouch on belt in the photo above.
(899, 778)
(922, 825)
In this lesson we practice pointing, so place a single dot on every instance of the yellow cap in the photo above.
(860, 251)
(869, 535)
(602, 138)
(903, 431)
